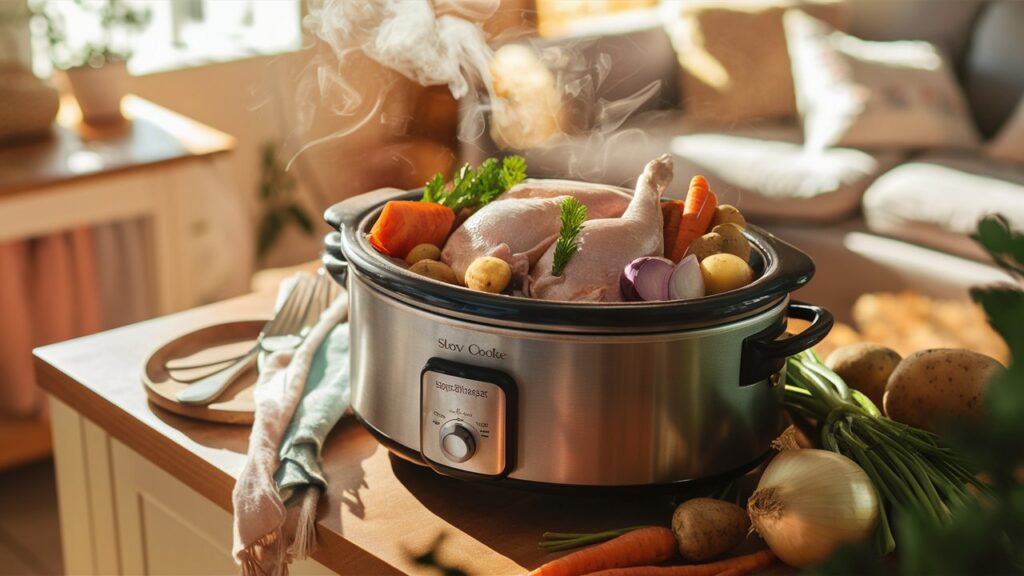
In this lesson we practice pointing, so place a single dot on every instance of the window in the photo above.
(184, 33)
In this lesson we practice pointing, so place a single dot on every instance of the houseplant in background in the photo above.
(277, 196)
(96, 70)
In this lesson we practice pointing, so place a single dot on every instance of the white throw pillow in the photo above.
(1009, 142)
(852, 92)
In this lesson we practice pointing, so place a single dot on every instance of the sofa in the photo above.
(873, 220)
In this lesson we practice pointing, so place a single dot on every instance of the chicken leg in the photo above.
(607, 245)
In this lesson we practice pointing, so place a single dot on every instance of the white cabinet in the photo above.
(121, 514)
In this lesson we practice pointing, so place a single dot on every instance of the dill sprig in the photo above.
(474, 188)
(574, 213)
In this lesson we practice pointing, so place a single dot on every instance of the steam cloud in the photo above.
(434, 44)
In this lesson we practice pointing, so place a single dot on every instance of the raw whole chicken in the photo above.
(520, 225)
(607, 245)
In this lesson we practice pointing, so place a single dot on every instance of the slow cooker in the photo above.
(503, 388)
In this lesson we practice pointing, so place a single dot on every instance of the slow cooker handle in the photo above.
(349, 211)
(765, 353)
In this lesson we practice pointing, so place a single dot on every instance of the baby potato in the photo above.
(706, 245)
(423, 252)
(865, 366)
(932, 388)
(733, 240)
(488, 274)
(707, 527)
(724, 272)
(434, 269)
(727, 214)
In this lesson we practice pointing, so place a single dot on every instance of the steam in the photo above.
(440, 43)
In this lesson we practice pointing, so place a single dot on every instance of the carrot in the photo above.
(641, 546)
(672, 213)
(736, 566)
(697, 214)
(404, 224)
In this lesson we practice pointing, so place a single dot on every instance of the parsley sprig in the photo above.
(473, 188)
(574, 213)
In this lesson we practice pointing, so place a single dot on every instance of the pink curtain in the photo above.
(55, 288)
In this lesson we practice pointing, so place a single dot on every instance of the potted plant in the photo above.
(96, 71)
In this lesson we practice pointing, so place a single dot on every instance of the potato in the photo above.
(436, 270)
(423, 252)
(724, 272)
(488, 274)
(733, 240)
(706, 245)
(864, 366)
(932, 388)
(728, 214)
(706, 528)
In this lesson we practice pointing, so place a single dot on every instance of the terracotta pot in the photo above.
(28, 105)
(99, 91)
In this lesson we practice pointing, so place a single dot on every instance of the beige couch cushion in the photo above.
(762, 169)
(733, 58)
(937, 200)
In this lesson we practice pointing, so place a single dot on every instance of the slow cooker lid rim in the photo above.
(786, 268)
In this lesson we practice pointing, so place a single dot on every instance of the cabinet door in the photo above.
(164, 527)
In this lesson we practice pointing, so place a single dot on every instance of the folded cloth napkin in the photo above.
(299, 396)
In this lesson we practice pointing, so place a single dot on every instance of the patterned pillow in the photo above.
(734, 67)
(852, 92)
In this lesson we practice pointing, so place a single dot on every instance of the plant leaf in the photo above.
(298, 214)
(270, 228)
(1004, 245)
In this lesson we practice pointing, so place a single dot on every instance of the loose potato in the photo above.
(733, 240)
(728, 214)
(434, 269)
(864, 366)
(706, 245)
(724, 272)
(706, 528)
(423, 252)
(488, 274)
(932, 388)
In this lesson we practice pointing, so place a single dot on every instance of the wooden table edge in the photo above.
(196, 473)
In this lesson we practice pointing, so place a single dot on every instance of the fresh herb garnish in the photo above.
(474, 188)
(574, 213)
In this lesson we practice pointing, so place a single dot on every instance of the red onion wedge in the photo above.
(646, 279)
(686, 281)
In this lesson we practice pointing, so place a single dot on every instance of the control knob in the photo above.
(457, 442)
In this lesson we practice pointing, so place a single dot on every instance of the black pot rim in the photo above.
(783, 267)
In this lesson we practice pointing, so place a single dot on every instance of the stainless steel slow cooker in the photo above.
(496, 387)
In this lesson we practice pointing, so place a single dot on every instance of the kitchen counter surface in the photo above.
(379, 512)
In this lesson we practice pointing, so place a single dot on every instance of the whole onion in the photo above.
(646, 279)
(808, 502)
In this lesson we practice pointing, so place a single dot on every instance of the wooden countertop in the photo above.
(379, 509)
(75, 150)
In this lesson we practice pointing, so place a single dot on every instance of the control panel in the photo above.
(467, 418)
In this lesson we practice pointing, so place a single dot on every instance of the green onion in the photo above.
(911, 469)
(558, 541)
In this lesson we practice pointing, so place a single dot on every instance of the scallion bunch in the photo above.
(911, 469)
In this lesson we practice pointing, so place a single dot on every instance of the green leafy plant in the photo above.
(474, 188)
(119, 22)
(574, 213)
(277, 195)
(984, 535)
